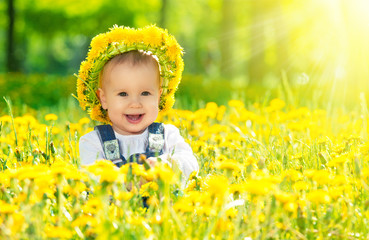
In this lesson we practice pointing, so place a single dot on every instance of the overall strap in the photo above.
(156, 140)
(110, 144)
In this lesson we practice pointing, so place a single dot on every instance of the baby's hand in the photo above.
(152, 161)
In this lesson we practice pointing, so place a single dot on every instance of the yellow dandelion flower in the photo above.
(130, 36)
(81, 87)
(138, 169)
(30, 172)
(58, 232)
(93, 54)
(191, 184)
(85, 67)
(169, 102)
(293, 175)
(236, 188)
(100, 42)
(153, 201)
(338, 161)
(322, 177)
(193, 175)
(301, 186)
(284, 197)
(319, 197)
(280, 225)
(340, 180)
(55, 130)
(336, 192)
(5, 119)
(205, 210)
(124, 169)
(82, 76)
(18, 220)
(77, 189)
(156, 219)
(92, 206)
(29, 120)
(123, 196)
(147, 189)
(101, 165)
(84, 220)
(173, 48)
(7, 208)
(183, 206)
(231, 165)
(179, 65)
(290, 207)
(152, 35)
(309, 173)
(154, 186)
(217, 186)
(173, 84)
(236, 103)
(51, 117)
(136, 220)
(231, 213)
(277, 104)
(365, 173)
(84, 121)
(250, 161)
(60, 168)
(109, 176)
(97, 114)
(165, 173)
(261, 217)
(259, 187)
(116, 34)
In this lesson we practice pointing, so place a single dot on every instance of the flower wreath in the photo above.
(119, 39)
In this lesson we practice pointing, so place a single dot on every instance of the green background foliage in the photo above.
(306, 52)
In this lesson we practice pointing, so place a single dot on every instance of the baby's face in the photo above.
(131, 94)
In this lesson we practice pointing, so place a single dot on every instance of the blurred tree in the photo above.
(192, 23)
(55, 33)
(11, 57)
(256, 64)
(163, 13)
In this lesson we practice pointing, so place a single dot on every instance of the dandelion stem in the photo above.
(8, 103)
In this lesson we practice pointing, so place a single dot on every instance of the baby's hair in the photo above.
(134, 58)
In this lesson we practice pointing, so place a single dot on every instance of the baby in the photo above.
(130, 91)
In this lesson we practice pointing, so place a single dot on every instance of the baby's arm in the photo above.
(177, 152)
(90, 148)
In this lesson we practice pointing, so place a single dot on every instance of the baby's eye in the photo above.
(123, 94)
(146, 93)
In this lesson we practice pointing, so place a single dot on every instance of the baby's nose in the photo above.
(135, 102)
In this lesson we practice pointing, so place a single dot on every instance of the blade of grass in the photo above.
(364, 115)
(8, 103)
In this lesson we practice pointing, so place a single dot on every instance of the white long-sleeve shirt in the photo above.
(175, 148)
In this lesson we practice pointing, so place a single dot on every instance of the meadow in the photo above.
(268, 170)
(273, 101)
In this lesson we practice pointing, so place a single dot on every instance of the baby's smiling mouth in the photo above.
(134, 118)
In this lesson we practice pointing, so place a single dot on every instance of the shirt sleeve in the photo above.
(90, 148)
(176, 149)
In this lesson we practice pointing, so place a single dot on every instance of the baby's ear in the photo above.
(160, 92)
(101, 95)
